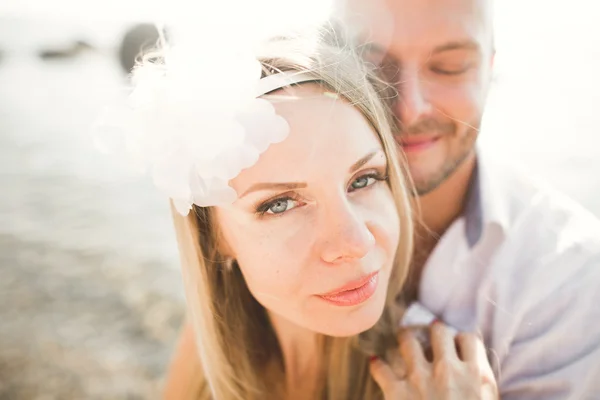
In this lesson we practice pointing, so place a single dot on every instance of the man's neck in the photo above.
(442, 206)
(439, 209)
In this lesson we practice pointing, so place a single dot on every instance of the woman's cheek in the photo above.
(274, 280)
(384, 221)
(273, 259)
(392, 233)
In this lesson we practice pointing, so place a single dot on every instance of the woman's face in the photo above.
(315, 228)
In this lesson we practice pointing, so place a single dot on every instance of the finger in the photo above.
(442, 343)
(467, 346)
(383, 375)
(411, 351)
(482, 360)
(473, 351)
(489, 385)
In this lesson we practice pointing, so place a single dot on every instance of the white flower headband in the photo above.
(193, 145)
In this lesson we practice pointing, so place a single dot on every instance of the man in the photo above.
(495, 253)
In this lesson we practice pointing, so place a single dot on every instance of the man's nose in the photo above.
(413, 98)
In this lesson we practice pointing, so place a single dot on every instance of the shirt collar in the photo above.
(487, 199)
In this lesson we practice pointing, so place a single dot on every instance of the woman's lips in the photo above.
(353, 293)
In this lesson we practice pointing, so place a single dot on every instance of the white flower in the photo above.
(194, 124)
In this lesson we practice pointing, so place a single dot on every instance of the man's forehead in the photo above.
(378, 9)
(419, 24)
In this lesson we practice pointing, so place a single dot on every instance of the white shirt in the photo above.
(522, 266)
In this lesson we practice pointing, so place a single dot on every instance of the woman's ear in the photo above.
(222, 244)
(224, 249)
(226, 253)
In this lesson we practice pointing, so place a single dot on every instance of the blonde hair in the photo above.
(236, 343)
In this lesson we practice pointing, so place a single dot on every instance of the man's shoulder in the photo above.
(549, 238)
(535, 207)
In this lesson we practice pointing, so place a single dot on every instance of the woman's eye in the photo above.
(280, 206)
(363, 182)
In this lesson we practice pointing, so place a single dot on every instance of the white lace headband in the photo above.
(193, 145)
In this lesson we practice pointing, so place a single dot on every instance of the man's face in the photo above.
(438, 54)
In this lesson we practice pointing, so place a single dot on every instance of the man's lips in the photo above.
(410, 144)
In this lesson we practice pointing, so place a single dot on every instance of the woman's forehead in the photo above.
(325, 133)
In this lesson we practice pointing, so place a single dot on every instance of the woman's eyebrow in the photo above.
(363, 160)
(274, 186)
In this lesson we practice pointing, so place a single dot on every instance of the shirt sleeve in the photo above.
(554, 353)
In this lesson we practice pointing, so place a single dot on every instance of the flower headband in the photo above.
(193, 146)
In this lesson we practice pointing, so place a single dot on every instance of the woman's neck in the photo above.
(299, 347)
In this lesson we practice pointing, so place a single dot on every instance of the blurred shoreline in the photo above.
(90, 293)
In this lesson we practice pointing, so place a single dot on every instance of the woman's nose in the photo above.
(345, 234)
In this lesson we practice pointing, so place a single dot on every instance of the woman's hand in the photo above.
(459, 369)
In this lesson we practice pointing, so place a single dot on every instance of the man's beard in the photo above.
(448, 169)
(443, 129)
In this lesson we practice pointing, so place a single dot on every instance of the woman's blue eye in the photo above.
(363, 181)
(278, 206)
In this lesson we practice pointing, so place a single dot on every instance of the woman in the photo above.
(299, 235)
